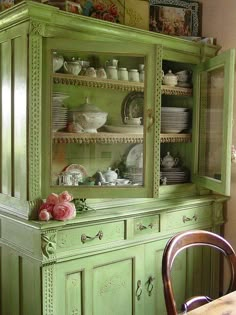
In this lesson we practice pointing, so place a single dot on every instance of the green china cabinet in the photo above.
(84, 109)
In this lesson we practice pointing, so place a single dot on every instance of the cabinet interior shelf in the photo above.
(69, 79)
(110, 138)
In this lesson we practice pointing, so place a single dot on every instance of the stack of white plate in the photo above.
(174, 119)
(174, 175)
(59, 111)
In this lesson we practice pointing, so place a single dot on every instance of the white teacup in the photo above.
(112, 73)
(101, 73)
(91, 72)
(136, 121)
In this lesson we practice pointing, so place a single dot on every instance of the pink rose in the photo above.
(47, 207)
(64, 211)
(52, 198)
(65, 196)
(44, 215)
(113, 10)
(108, 17)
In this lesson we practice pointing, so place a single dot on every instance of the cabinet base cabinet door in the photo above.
(105, 284)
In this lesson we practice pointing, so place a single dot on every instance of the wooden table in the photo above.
(225, 305)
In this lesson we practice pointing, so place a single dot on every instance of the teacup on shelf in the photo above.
(133, 120)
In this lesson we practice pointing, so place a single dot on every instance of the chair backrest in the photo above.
(182, 241)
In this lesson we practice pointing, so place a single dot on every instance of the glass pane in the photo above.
(211, 123)
(97, 119)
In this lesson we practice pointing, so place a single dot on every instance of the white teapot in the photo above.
(73, 66)
(168, 161)
(170, 78)
(109, 176)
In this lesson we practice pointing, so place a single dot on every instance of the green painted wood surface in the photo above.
(33, 29)
(53, 272)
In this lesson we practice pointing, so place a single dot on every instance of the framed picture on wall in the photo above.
(175, 17)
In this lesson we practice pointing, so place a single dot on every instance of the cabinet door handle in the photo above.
(150, 285)
(186, 219)
(139, 290)
(85, 238)
(151, 119)
(144, 227)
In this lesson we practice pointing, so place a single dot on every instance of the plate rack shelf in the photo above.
(112, 138)
(68, 79)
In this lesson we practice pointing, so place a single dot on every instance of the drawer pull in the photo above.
(139, 290)
(150, 285)
(143, 227)
(186, 219)
(85, 238)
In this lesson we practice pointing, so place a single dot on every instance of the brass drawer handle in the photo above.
(150, 285)
(186, 219)
(139, 290)
(144, 227)
(85, 238)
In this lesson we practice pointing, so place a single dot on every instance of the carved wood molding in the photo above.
(49, 245)
(176, 90)
(48, 273)
(68, 79)
(93, 138)
(174, 138)
(35, 79)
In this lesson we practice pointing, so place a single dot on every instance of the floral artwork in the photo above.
(107, 11)
(57, 207)
(175, 17)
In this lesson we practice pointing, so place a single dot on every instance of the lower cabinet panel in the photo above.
(102, 284)
(119, 274)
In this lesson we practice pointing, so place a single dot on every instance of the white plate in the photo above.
(174, 109)
(134, 156)
(124, 129)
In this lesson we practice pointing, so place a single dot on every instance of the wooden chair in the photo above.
(182, 241)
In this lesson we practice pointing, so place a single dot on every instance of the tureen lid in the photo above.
(170, 74)
(87, 107)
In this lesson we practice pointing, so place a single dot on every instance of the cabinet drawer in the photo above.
(91, 235)
(186, 217)
(146, 225)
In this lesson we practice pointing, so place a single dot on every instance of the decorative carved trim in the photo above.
(48, 282)
(49, 244)
(156, 177)
(112, 138)
(176, 90)
(61, 78)
(174, 138)
(69, 79)
(101, 137)
(34, 120)
(37, 28)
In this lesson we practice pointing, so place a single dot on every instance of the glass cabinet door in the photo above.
(99, 124)
(214, 83)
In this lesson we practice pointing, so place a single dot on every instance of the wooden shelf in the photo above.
(69, 79)
(113, 138)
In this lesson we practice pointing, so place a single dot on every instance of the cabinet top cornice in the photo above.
(53, 17)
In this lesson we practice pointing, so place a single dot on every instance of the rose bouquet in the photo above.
(58, 207)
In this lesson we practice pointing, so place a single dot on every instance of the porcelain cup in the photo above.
(112, 73)
(182, 76)
(91, 72)
(101, 73)
(123, 74)
(133, 120)
(133, 75)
